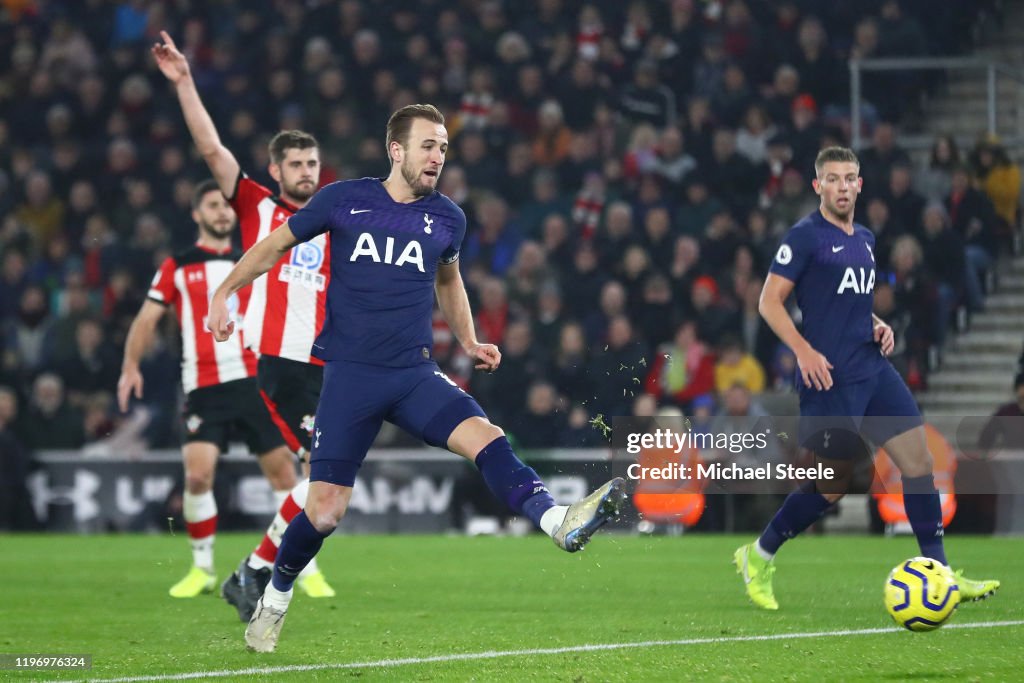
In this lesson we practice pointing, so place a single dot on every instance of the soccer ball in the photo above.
(921, 594)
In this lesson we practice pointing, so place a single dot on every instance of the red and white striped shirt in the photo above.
(286, 311)
(187, 281)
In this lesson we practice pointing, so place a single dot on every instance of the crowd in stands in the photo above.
(627, 169)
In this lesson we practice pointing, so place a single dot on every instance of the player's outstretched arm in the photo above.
(140, 338)
(257, 261)
(814, 367)
(221, 161)
(454, 303)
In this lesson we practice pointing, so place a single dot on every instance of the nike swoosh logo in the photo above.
(836, 250)
(355, 211)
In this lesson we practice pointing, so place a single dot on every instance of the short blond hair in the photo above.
(834, 153)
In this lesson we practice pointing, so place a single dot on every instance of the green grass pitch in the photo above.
(433, 596)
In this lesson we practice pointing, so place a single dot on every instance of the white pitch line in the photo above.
(498, 654)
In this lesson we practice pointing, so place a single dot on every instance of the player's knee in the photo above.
(325, 522)
(492, 432)
(918, 466)
(832, 496)
(278, 466)
(325, 509)
(473, 435)
(197, 482)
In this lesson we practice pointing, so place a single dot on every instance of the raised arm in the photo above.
(454, 303)
(257, 261)
(221, 161)
(140, 338)
(814, 367)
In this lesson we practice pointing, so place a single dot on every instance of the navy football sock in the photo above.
(513, 482)
(924, 510)
(801, 509)
(299, 544)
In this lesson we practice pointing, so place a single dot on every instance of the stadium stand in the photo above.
(627, 169)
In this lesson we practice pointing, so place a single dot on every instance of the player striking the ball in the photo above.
(394, 243)
(848, 387)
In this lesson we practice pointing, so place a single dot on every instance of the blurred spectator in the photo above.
(1005, 429)
(551, 143)
(50, 421)
(915, 293)
(545, 199)
(646, 100)
(905, 204)
(580, 432)
(934, 179)
(753, 136)
(737, 367)
(804, 132)
(15, 504)
(641, 155)
(730, 176)
(540, 424)
(755, 333)
(700, 206)
(589, 205)
(618, 368)
(28, 337)
(494, 243)
(734, 98)
(549, 316)
(877, 161)
(1000, 179)
(681, 370)
(713, 318)
(482, 167)
(886, 231)
(42, 212)
(583, 283)
(525, 278)
(972, 217)
(13, 282)
(613, 303)
(569, 367)
(821, 74)
(492, 313)
(784, 88)
(10, 418)
(944, 254)
(93, 365)
(521, 364)
(657, 314)
(795, 200)
(674, 165)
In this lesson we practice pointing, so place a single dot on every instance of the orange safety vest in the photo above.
(673, 501)
(887, 486)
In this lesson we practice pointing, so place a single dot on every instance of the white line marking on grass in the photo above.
(498, 654)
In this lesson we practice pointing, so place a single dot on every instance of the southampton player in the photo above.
(394, 242)
(848, 386)
(223, 399)
(286, 310)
